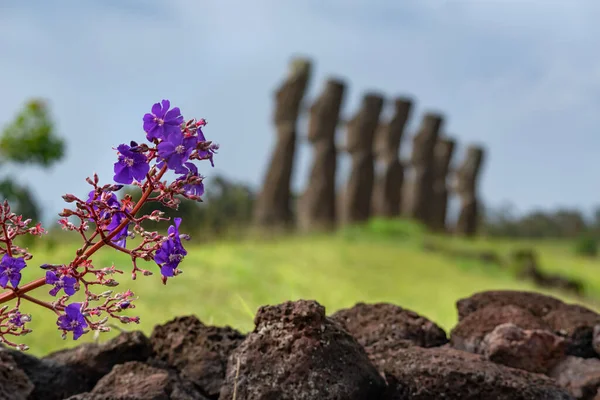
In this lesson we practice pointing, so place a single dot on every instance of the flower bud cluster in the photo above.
(102, 219)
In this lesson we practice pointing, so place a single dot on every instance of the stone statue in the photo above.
(272, 207)
(317, 207)
(388, 187)
(421, 193)
(360, 135)
(443, 151)
(466, 187)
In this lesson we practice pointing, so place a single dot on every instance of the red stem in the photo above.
(20, 292)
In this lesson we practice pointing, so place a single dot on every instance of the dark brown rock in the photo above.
(531, 350)
(417, 373)
(387, 191)
(90, 396)
(381, 326)
(51, 380)
(197, 351)
(467, 176)
(443, 151)
(272, 207)
(536, 303)
(296, 352)
(139, 381)
(357, 196)
(422, 160)
(317, 207)
(92, 361)
(576, 323)
(469, 333)
(581, 377)
(596, 339)
(14, 383)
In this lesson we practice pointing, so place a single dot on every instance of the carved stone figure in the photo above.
(444, 149)
(388, 187)
(466, 187)
(317, 207)
(421, 190)
(273, 202)
(360, 136)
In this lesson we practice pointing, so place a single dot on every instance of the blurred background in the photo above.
(410, 152)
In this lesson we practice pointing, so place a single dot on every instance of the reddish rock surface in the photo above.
(468, 334)
(576, 323)
(138, 381)
(296, 352)
(531, 350)
(417, 373)
(536, 303)
(197, 351)
(388, 325)
(92, 361)
(580, 376)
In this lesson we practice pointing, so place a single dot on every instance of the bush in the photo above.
(587, 246)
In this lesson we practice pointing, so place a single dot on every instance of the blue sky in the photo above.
(520, 77)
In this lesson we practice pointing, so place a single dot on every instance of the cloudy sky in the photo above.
(520, 77)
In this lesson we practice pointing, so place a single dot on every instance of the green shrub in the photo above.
(587, 246)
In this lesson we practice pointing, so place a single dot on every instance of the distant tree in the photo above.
(226, 205)
(28, 140)
(560, 223)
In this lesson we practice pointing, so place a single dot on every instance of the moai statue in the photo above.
(317, 207)
(419, 204)
(273, 203)
(466, 187)
(388, 187)
(443, 151)
(356, 199)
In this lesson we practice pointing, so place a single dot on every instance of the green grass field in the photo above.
(225, 282)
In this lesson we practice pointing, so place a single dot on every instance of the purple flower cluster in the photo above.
(171, 252)
(173, 146)
(176, 143)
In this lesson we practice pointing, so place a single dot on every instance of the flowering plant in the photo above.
(104, 220)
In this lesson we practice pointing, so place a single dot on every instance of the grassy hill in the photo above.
(225, 282)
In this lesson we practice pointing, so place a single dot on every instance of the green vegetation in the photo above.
(586, 245)
(30, 139)
(225, 282)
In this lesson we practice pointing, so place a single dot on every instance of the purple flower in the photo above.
(61, 282)
(196, 188)
(121, 237)
(19, 319)
(162, 122)
(72, 320)
(131, 165)
(10, 270)
(201, 137)
(176, 150)
(171, 252)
